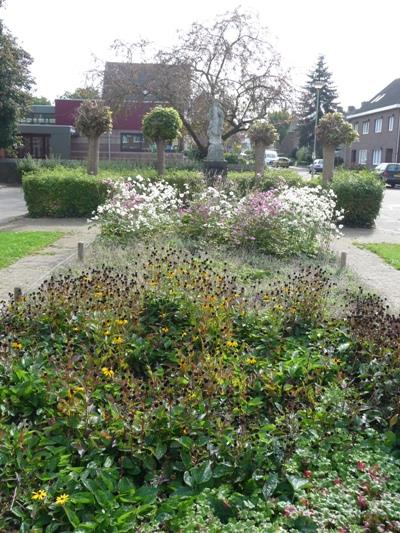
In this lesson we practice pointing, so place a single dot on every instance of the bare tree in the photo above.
(231, 61)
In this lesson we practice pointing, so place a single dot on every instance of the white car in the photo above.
(271, 156)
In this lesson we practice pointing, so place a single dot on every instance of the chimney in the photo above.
(350, 109)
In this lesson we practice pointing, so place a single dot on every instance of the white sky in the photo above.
(360, 38)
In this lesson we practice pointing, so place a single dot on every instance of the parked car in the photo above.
(270, 157)
(389, 173)
(318, 166)
(282, 162)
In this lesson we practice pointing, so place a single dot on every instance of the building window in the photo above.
(377, 156)
(355, 126)
(365, 127)
(362, 157)
(131, 142)
(378, 125)
(391, 123)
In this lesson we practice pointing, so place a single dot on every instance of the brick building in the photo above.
(378, 125)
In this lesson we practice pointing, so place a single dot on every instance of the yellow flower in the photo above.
(107, 333)
(232, 344)
(39, 495)
(251, 360)
(98, 294)
(117, 340)
(121, 321)
(266, 297)
(16, 345)
(163, 315)
(75, 329)
(62, 499)
(78, 389)
(108, 372)
(164, 330)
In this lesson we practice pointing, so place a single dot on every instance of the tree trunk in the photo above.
(161, 157)
(93, 155)
(329, 163)
(201, 147)
(260, 158)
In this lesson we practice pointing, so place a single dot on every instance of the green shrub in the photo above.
(360, 195)
(68, 196)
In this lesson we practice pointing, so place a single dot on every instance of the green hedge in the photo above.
(69, 196)
(70, 192)
(360, 195)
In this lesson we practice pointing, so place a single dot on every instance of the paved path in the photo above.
(372, 270)
(28, 272)
(12, 203)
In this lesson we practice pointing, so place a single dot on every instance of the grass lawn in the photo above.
(14, 245)
(389, 252)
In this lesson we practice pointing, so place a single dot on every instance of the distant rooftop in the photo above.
(387, 97)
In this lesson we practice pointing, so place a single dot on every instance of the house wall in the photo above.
(373, 141)
(60, 137)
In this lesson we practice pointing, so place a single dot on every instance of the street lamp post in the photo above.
(318, 86)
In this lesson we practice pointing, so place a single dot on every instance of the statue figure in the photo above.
(214, 132)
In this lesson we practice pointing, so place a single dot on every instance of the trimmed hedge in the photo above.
(69, 196)
(360, 195)
(70, 192)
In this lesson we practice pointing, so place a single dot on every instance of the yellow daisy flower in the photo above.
(62, 499)
(39, 495)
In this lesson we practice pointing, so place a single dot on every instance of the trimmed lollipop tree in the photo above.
(333, 130)
(262, 134)
(161, 125)
(93, 118)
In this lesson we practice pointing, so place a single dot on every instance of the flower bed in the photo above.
(284, 221)
(168, 396)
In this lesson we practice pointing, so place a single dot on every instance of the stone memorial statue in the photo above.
(215, 147)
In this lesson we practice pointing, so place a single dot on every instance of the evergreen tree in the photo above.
(327, 103)
(15, 83)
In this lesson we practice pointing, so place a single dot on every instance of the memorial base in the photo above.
(213, 169)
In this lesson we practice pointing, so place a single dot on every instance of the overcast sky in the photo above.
(360, 39)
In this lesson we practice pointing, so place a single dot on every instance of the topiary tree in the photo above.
(333, 129)
(262, 134)
(92, 119)
(161, 125)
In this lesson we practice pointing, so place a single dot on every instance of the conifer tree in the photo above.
(327, 103)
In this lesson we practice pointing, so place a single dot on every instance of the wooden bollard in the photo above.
(81, 251)
(342, 260)
(17, 293)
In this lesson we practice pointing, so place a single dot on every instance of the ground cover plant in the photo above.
(389, 252)
(174, 392)
(17, 244)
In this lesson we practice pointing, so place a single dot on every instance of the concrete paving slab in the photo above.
(12, 204)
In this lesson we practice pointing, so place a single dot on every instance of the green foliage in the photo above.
(15, 83)
(40, 100)
(78, 194)
(303, 155)
(162, 124)
(82, 93)
(63, 196)
(281, 120)
(93, 118)
(360, 195)
(333, 130)
(263, 132)
(166, 396)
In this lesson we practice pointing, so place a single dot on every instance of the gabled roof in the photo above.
(387, 98)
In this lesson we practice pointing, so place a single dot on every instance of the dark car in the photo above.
(318, 166)
(389, 173)
(282, 162)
